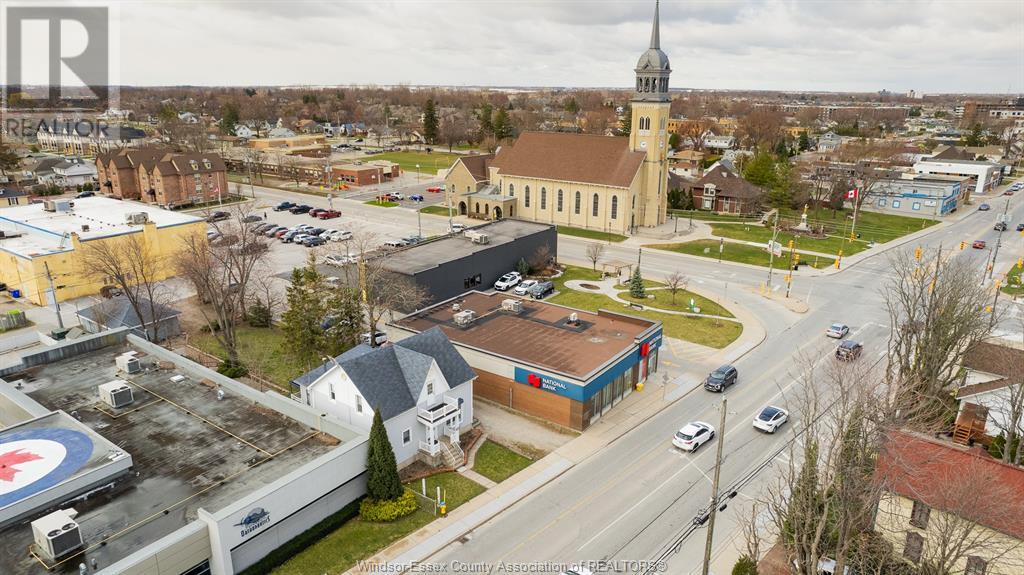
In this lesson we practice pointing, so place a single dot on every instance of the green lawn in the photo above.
(497, 462)
(871, 226)
(701, 330)
(590, 234)
(358, 539)
(663, 300)
(740, 253)
(381, 204)
(437, 210)
(706, 216)
(1014, 281)
(429, 163)
(262, 350)
(758, 233)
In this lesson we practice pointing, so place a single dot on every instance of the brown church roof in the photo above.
(477, 165)
(584, 158)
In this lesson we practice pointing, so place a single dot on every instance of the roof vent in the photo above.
(574, 319)
(464, 318)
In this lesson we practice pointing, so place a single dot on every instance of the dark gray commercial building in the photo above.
(473, 260)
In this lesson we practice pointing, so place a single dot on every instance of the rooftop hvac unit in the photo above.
(116, 393)
(56, 535)
(57, 205)
(128, 363)
(512, 305)
(464, 318)
(136, 218)
(478, 237)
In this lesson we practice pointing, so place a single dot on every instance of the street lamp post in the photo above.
(999, 239)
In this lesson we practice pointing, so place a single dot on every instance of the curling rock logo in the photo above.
(37, 459)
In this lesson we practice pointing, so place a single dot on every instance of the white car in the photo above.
(837, 330)
(693, 435)
(339, 235)
(340, 260)
(771, 419)
(509, 280)
(379, 338)
(457, 228)
(524, 287)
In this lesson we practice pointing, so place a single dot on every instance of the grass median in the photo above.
(740, 253)
(381, 204)
(758, 233)
(437, 211)
(591, 234)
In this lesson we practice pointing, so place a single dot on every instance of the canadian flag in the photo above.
(852, 194)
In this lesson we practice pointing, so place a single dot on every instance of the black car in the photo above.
(217, 216)
(284, 206)
(1000, 227)
(311, 241)
(721, 378)
(300, 209)
(849, 350)
(252, 218)
(86, 194)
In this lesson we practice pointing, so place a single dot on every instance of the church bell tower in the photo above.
(649, 130)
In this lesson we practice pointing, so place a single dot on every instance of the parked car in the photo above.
(412, 240)
(693, 435)
(979, 244)
(721, 378)
(300, 209)
(313, 241)
(394, 244)
(252, 218)
(217, 216)
(393, 197)
(303, 227)
(315, 212)
(434, 189)
(272, 232)
(1009, 192)
(284, 206)
(771, 419)
(339, 235)
(282, 232)
(524, 287)
(292, 235)
(85, 194)
(263, 228)
(837, 330)
(542, 289)
(508, 281)
(984, 208)
(378, 338)
(1000, 227)
(329, 214)
(457, 228)
(333, 281)
(849, 350)
(340, 260)
(1020, 227)
(416, 198)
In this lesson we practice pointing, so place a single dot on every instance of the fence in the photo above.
(212, 362)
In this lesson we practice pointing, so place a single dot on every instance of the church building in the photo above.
(604, 183)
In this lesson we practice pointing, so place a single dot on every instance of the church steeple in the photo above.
(652, 70)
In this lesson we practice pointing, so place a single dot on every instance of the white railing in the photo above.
(430, 449)
(440, 413)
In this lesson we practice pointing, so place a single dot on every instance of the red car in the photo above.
(328, 214)
(978, 244)
(434, 189)
(1008, 193)
(316, 213)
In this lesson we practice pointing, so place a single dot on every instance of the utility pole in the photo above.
(856, 205)
(639, 252)
(53, 291)
(999, 239)
(771, 250)
(714, 491)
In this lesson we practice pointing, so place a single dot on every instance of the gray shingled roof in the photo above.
(118, 312)
(391, 377)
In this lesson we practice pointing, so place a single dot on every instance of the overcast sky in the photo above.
(840, 45)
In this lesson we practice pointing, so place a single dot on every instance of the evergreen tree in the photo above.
(781, 150)
(430, 123)
(805, 142)
(484, 116)
(760, 170)
(341, 307)
(974, 139)
(301, 321)
(636, 285)
(780, 191)
(572, 106)
(228, 118)
(674, 141)
(382, 481)
(502, 125)
(626, 125)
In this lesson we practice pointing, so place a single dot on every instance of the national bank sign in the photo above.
(253, 521)
(548, 383)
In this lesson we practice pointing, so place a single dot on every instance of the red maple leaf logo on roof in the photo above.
(10, 459)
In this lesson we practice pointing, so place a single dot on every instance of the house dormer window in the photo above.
(207, 164)
(194, 164)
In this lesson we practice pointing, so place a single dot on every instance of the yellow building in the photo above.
(606, 183)
(41, 241)
(950, 506)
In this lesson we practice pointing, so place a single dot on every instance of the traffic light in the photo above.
(790, 244)
(1020, 263)
(963, 245)
(917, 253)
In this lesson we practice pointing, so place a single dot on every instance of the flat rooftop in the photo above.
(427, 255)
(43, 231)
(539, 335)
(189, 449)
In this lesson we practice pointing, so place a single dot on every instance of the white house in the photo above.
(712, 142)
(244, 132)
(74, 172)
(829, 142)
(994, 375)
(421, 385)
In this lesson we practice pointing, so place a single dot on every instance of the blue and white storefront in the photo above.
(915, 197)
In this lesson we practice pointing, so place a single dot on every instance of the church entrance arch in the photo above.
(462, 208)
(497, 212)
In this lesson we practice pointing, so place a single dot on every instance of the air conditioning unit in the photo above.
(464, 318)
(128, 363)
(478, 237)
(57, 535)
(512, 305)
(57, 205)
(116, 393)
(136, 218)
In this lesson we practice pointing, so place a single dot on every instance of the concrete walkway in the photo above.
(607, 287)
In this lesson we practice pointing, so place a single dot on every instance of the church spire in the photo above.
(655, 34)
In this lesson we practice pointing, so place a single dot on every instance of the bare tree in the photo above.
(132, 265)
(595, 251)
(696, 131)
(762, 127)
(674, 283)
(293, 166)
(936, 307)
(454, 130)
(223, 271)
